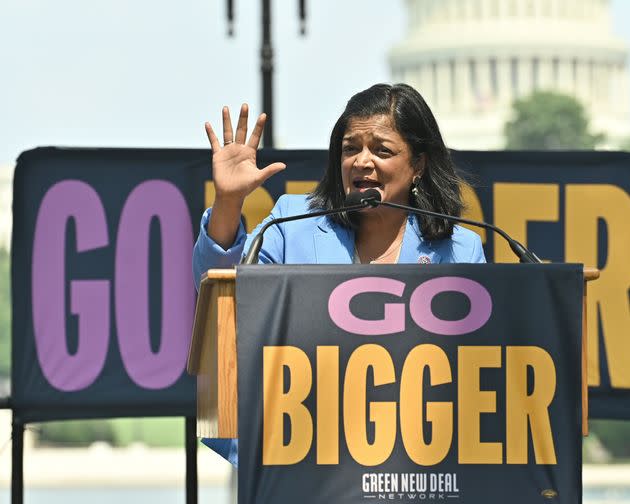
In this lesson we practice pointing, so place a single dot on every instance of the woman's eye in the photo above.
(348, 148)
(384, 150)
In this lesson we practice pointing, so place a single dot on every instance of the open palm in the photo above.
(234, 170)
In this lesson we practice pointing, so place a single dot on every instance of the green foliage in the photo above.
(154, 432)
(75, 433)
(549, 121)
(5, 314)
(157, 432)
(614, 435)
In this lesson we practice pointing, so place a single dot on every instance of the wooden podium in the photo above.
(212, 354)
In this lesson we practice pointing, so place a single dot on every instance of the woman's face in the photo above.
(374, 155)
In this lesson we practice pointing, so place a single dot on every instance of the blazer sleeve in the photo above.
(209, 254)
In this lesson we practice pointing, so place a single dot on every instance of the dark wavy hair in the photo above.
(439, 188)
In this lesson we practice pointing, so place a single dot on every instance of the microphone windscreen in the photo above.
(357, 197)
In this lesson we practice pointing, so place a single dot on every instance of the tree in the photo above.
(614, 435)
(625, 145)
(549, 121)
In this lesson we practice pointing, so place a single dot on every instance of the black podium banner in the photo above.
(409, 383)
(102, 294)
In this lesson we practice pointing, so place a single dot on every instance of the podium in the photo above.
(212, 356)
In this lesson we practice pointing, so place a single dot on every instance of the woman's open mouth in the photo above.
(366, 184)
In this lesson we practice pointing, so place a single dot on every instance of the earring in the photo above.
(415, 184)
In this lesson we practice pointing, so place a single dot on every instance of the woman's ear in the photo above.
(419, 165)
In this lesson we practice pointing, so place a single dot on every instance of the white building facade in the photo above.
(470, 59)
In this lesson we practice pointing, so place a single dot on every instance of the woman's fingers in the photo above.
(241, 127)
(228, 136)
(271, 170)
(241, 135)
(254, 140)
(214, 141)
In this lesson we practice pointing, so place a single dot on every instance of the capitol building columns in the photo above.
(463, 97)
(599, 90)
(545, 73)
(583, 86)
(471, 58)
(565, 77)
(444, 80)
(482, 88)
(425, 81)
(504, 80)
(525, 77)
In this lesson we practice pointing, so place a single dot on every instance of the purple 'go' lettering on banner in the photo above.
(161, 199)
(480, 305)
(339, 306)
(89, 298)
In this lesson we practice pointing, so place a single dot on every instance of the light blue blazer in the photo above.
(320, 241)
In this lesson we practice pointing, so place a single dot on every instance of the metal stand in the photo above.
(191, 461)
(266, 60)
(17, 461)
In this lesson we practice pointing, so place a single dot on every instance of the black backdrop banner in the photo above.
(409, 384)
(102, 290)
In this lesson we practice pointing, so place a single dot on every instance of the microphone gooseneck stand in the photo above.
(524, 255)
(372, 198)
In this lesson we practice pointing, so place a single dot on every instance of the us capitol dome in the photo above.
(471, 59)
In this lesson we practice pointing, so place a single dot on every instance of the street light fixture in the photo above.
(266, 59)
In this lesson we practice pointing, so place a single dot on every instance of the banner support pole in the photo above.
(191, 461)
(17, 460)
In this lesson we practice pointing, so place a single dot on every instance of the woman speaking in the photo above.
(386, 139)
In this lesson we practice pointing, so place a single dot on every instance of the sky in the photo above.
(148, 73)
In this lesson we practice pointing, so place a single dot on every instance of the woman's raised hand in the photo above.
(235, 174)
(234, 171)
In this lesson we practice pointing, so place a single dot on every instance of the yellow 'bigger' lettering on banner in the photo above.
(523, 408)
(383, 414)
(473, 401)
(586, 206)
(513, 209)
(328, 405)
(277, 403)
(439, 414)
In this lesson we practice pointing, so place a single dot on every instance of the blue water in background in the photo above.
(617, 495)
(208, 495)
(128, 495)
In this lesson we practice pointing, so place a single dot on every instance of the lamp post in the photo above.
(266, 60)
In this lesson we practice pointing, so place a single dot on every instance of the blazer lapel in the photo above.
(414, 248)
(333, 243)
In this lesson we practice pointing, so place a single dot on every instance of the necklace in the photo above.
(377, 260)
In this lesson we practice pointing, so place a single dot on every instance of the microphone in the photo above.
(372, 198)
(354, 202)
